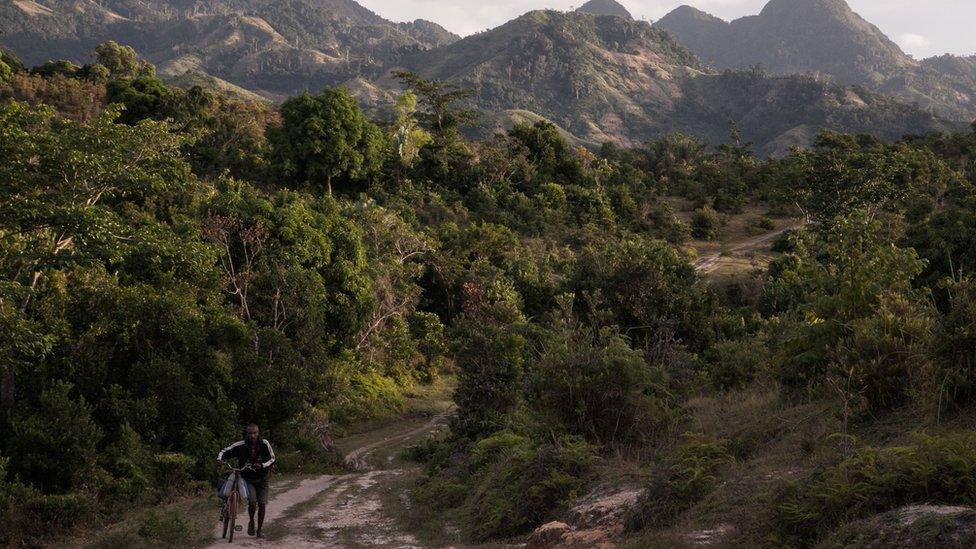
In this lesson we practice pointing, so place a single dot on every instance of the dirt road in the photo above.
(709, 263)
(340, 510)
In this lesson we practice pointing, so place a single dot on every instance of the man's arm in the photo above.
(220, 456)
(271, 458)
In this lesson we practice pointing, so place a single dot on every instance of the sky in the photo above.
(922, 28)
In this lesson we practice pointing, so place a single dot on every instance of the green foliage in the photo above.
(649, 286)
(440, 110)
(520, 484)
(165, 528)
(956, 344)
(490, 368)
(54, 443)
(844, 174)
(122, 61)
(733, 364)
(706, 224)
(326, 137)
(931, 470)
(693, 472)
(597, 387)
(835, 287)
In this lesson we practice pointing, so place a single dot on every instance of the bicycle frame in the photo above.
(233, 505)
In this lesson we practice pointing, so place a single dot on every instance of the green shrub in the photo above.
(595, 386)
(692, 474)
(759, 225)
(53, 442)
(667, 224)
(490, 364)
(525, 484)
(956, 343)
(786, 241)
(169, 528)
(938, 470)
(360, 395)
(706, 224)
(732, 364)
(30, 517)
(172, 473)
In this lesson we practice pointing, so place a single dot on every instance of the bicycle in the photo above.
(233, 504)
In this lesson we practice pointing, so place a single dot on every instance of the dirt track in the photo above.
(337, 510)
(711, 262)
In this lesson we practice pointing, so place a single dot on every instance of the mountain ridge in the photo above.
(601, 78)
(605, 7)
(825, 38)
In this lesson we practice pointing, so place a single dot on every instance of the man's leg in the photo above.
(252, 500)
(261, 494)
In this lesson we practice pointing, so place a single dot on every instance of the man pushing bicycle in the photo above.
(255, 456)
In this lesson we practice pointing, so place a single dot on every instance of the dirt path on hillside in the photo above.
(709, 263)
(338, 511)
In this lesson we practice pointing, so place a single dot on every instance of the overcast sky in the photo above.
(921, 27)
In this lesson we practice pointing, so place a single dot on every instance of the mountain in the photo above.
(820, 37)
(611, 79)
(605, 7)
(274, 47)
(599, 78)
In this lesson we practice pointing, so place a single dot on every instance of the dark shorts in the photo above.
(257, 491)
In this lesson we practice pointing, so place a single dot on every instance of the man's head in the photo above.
(252, 434)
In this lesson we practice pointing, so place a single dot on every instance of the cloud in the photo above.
(912, 41)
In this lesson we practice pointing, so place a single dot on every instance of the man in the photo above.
(256, 452)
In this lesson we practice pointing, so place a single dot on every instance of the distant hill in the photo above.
(605, 7)
(275, 47)
(610, 79)
(821, 37)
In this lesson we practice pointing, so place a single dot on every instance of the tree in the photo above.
(441, 112)
(122, 61)
(326, 137)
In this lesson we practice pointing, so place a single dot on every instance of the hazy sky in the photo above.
(921, 27)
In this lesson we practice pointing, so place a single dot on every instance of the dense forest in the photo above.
(175, 264)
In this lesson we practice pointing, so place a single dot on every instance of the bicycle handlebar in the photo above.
(247, 467)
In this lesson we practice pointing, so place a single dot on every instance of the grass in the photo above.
(188, 522)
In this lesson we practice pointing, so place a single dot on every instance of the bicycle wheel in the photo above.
(233, 504)
(225, 520)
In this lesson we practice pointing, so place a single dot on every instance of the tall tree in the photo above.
(442, 109)
(325, 137)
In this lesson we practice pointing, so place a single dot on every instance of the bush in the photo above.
(691, 475)
(490, 363)
(936, 470)
(733, 364)
(169, 529)
(172, 473)
(885, 362)
(786, 241)
(53, 443)
(957, 343)
(30, 517)
(706, 224)
(760, 225)
(521, 483)
(360, 395)
(596, 386)
(667, 224)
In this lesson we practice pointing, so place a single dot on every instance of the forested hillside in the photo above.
(175, 264)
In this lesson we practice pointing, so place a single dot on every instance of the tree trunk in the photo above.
(328, 183)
